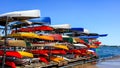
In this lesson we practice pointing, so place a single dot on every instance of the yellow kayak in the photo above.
(26, 54)
(61, 46)
(56, 59)
(46, 37)
(24, 35)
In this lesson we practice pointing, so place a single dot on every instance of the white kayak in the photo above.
(86, 31)
(19, 16)
(80, 45)
(28, 13)
(61, 26)
(65, 58)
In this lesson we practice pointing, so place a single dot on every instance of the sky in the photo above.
(98, 16)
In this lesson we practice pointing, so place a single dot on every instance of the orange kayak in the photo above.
(94, 46)
(46, 37)
(56, 59)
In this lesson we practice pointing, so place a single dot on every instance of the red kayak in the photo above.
(11, 54)
(41, 52)
(46, 52)
(57, 37)
(83, 52)
(43, 60)
(36, 28)
(75, 51)
(62, 52)
(11, 64)
(97, 43)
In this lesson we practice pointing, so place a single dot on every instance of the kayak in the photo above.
(89, 37)
(43, 60)
(77, 40)
(11, 54)
(46, 52)
(103, 35)
(37, 44)
(40, 52)
(80, 45)
(93, 35)
(97, 43)
(46, 37)
(68, 39)
(83, 52)
(19, 16)
(26, 54)
(24, 35)
(41, 21)
(86, 31)
(43, 44)
(75, 51)
(94, 46)
(36, 28)
(9, 63)
(65, 58)
(61, 46)
(77, 29)
(56, 59)
(61, 26)
(91, 52)
(57, 37)
(63, 52)
(17, 43)
(36, 21)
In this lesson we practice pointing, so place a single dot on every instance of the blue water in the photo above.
(108, 51)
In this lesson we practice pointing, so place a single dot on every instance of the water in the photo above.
(111, 56)
(108, 51)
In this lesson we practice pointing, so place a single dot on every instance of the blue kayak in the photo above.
(42, 20)
(96, 36)
(88, 37)
(103, 35)
(37, 21)
(77, 29)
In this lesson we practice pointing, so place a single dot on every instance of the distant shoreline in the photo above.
(110, 45)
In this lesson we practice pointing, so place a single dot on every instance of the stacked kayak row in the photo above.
(32, 40)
